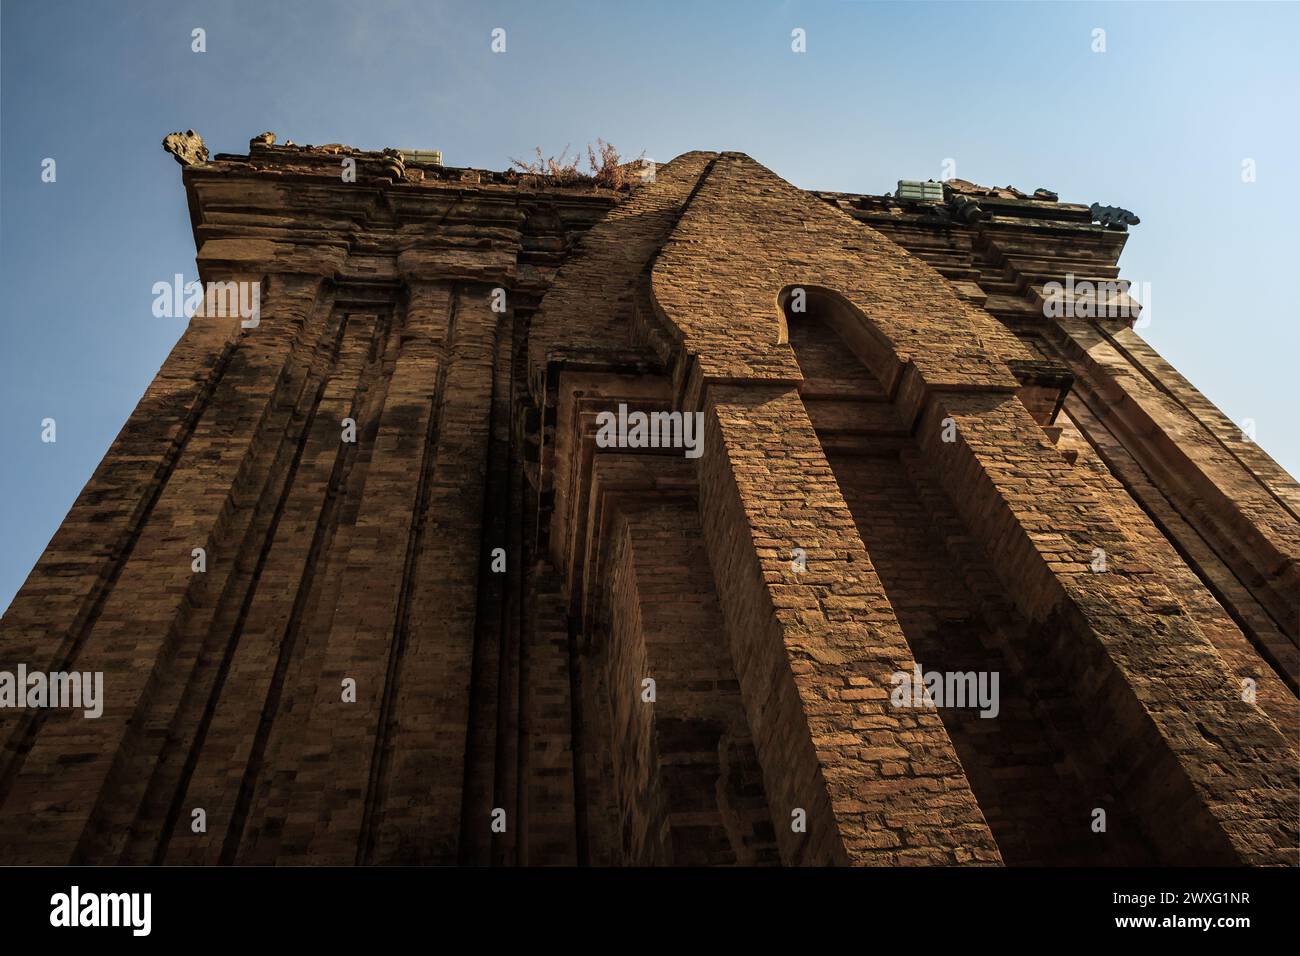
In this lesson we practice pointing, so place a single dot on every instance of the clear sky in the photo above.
(1159, 123)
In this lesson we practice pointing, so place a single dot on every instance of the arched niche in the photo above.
(808, 311)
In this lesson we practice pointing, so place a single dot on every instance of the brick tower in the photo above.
(368, 582)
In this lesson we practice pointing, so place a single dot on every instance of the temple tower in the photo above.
(536, 522)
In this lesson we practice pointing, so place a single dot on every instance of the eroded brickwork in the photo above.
(446, 615)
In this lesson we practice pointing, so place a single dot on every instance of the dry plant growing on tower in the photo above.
(603, 160)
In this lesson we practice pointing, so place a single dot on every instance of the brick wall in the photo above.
(920, 472)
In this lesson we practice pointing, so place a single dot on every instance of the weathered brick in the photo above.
(915, 473)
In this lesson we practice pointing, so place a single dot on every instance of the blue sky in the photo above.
(1159, 123)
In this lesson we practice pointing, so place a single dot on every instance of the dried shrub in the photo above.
(603, 160)
(559, 170)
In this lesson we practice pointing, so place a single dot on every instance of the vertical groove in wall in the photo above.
(214, 602)
(1163, 388)
(223, 668)
(1267, 653)
(177, 706)
(379, 767)
(235, 826)
(582, 849)
(280, 731)
(505, 783)
(480, 754)
(29, 722)
(1184, 501)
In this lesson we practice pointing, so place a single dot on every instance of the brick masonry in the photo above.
(478, 633)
